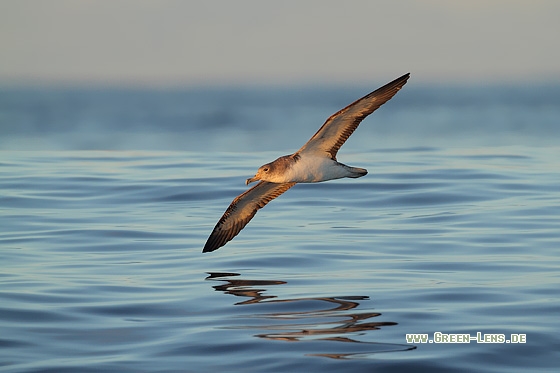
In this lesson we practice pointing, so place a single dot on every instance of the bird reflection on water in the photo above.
(324, 319)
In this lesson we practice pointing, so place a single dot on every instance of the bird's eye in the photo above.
(265, 169)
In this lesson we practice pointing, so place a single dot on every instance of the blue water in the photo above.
(101, 257)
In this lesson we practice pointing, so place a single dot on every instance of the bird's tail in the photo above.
(355, 172)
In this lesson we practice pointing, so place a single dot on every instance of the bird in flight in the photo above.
(314, 162)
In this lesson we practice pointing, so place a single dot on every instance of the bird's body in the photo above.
(307, 169)
(314, 162)
(313, 169)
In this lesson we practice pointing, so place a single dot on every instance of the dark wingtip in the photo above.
(215, 241)
(400, 81)
(402, 78)
(210, 245)
(209, 248)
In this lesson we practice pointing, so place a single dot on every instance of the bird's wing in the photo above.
(241, 211)
(338, 128)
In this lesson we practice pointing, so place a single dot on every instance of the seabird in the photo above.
(314, 162)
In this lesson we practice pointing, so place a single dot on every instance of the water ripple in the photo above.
(103, 270)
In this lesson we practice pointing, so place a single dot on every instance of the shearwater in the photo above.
(314, 162)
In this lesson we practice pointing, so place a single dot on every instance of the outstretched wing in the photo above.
(241, 211)
(338, 128)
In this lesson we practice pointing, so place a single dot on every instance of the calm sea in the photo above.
(107, 198)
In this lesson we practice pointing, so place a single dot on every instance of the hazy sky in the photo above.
(286, 42)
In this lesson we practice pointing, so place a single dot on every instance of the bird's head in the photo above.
(263, 173)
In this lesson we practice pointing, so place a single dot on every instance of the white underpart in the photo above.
(314, 169)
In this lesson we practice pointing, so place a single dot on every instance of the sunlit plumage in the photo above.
(314, 162)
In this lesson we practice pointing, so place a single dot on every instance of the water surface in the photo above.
(454, 230)
(102, 267)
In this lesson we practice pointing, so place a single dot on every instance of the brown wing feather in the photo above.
(241, 211)
(339, 126)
